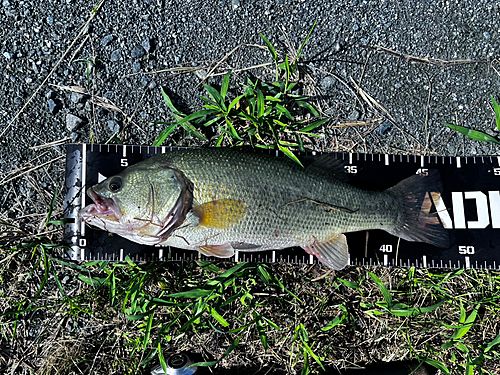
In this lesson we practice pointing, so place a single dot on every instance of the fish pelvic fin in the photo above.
(332, 253)
(220, 251)
(415, 222)
(221, 213)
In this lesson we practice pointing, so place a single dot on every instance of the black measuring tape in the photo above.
(469, 209)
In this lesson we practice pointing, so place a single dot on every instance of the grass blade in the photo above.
(164, 134)
(270, 47)
(169, 103)
(234, 102)
(225, 86)
(314, 125)
(260, 104)
(214, 94)
(493, 343)
(148, 330)
(290, 154)
(308, 106)
(303, 45)
(496, 107)
(473, 134)
(193, 293)
(383, 289)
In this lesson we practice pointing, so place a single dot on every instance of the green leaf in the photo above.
(288, 153)
(437, 364)
(304, 44)
(234, 102)
(260, 104)
(349, 284)
(383, 289)
(162, 358)
(284, 111)
(270, 47)
(199, 114)
(193, 293)
(225, 85)
(335, 322)
(273, 99)
(148, 330)
(313, 125)
(164, 134)
(214, 94)
(307, 106)
(169, 104)
(473, 134)
(493, 343)
(496, 107)
(191, 130)
(218, 317)
(461, 331)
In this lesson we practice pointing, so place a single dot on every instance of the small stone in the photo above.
(136, 67)
(5, 3)
(106, 40)
(18, 100)
(8, 55)
(336, 47)
(50, 20)
(113, 126)
(398, 85)
(147, 44)
(50, 94)
(201, 73)
(28, 80)
(52, 106)
(116, 55)
(76, 97)
(355, 27)
(152, 85)
(144, 81)
(235, 4)
(65, 279)
(354, 115)
(327, 83)
(385, 128)
(73, 122)
(487, 35)
(138, 51)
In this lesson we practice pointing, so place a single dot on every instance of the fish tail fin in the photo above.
(415, 221)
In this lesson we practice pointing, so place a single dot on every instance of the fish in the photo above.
(220, 200)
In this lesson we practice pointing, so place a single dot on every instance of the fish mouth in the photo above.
(101, 207)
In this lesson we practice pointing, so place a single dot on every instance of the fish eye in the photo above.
(115, 184)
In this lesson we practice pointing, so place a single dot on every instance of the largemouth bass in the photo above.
(220, 200)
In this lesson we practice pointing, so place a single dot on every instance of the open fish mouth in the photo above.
(101, 207)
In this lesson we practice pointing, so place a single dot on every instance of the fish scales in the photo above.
(286, 205)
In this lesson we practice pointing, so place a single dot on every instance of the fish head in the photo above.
(144, 203)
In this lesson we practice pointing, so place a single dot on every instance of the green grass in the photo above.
(266, 115)
(444, 319)
(478, 135)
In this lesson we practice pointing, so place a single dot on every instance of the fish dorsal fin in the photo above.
(332, 253)
(220, 251)
(221, 213)
(328, 164)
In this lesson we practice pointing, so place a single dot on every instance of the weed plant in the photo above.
(265, 115)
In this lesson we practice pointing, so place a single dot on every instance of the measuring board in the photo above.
(469, 209)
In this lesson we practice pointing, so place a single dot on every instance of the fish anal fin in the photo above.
(332, 253)
(221, 213)
(219, 251)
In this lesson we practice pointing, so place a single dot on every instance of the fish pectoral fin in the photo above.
(221, 213)
(332, 253)
(219, 251)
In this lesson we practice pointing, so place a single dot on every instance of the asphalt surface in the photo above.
(127, 39)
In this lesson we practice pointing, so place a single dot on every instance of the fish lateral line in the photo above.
(340, 209)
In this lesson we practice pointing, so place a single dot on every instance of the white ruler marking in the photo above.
(386, 160)
(459, 165)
